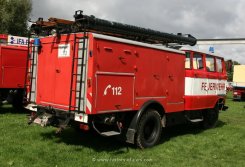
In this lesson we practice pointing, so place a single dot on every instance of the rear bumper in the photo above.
(47, 116)
(31, 107)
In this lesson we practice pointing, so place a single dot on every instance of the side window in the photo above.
(197, 61)
(210, 63)
(219, 65)
(187, 60)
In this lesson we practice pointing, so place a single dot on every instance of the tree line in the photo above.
(14, 15)
(229, 68)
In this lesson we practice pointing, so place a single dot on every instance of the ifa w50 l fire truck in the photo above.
(117, 79)
(13, 59)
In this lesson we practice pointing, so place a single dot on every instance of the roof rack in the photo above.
(90, 23)
(44, 28)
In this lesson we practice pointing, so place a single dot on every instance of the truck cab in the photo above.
(205, 80)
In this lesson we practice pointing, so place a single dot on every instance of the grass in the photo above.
(185, 145)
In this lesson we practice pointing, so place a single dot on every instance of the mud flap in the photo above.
(224, 108)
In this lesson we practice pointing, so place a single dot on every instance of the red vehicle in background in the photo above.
(113, 78)
(13, 59)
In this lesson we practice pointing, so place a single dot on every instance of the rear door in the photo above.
(54, 71)
(63, 65)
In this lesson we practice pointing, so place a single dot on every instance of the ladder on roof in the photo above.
(111, 28)
(31, 72)
(77, 96)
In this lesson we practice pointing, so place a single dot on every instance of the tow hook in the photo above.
(32, 118)
(40, 117)
(34, 115)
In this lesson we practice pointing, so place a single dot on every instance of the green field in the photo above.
(186, 145)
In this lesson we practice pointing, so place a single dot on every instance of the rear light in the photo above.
(236, 93)
(84, 127)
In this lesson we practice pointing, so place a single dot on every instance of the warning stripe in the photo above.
(88, 103)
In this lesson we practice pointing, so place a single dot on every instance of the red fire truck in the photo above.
(118, 80)
(13, 59)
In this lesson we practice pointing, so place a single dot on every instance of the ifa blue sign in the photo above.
(16, 40)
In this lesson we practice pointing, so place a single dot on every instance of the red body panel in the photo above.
(150, 72)
(12, 66)
(121, 76)
(200, 102)
(112, 90)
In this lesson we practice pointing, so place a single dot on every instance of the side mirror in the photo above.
(229, 65)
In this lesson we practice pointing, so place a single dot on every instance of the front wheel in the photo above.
(210, 117)
(149, 129)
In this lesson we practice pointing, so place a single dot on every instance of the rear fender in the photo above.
(130, 134)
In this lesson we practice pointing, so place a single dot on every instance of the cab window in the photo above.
(210, 63)
(219, 65)
(197, 61)
(187, 60)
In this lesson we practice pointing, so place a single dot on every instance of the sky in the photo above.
(201, 18)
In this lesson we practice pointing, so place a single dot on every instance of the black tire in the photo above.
(17, 101)
(149, 129)
(1, 99)
(210, 117)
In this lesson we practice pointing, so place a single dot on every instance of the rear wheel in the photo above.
(149, 129)
(210, 117)
(17, 99)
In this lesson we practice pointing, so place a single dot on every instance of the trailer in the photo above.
(121, 84)
(239, 82)
(13, 59)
